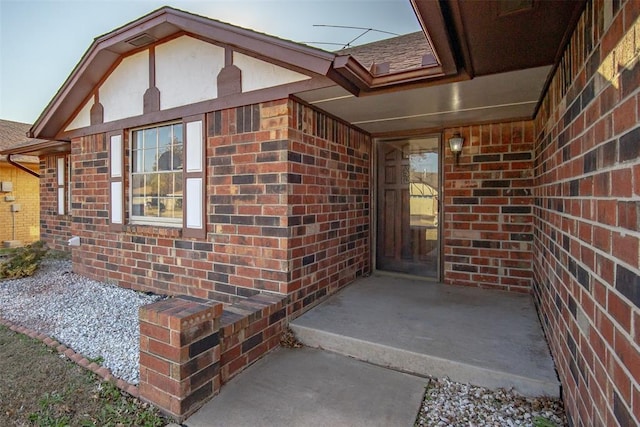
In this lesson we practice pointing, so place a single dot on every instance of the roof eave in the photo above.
(358, 80)
(40, 148)
(107, 49)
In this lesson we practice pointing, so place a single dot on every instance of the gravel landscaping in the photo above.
(448, 403)
(95, 319)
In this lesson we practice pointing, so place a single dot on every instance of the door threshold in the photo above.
(405, 276)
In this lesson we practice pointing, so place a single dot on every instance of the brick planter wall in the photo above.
(488, 223)
(179, 354)
(189, 347)
(587, 205)
(249, 329)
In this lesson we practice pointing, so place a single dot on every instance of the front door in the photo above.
(408, 200)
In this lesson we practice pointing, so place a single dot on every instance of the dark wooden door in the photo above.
(407, 240)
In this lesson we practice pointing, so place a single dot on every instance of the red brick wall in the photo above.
(587, 167)
(247, 199)
(287, 212)
(329, 205)
(55, 230)
(488, 223)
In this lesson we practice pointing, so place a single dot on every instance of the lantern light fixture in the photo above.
(455, 143)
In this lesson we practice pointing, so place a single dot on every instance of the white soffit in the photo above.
(187, 70)
(488, 98)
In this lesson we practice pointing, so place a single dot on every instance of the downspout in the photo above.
(21, 167)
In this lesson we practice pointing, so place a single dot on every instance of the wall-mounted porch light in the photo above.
(455, 142)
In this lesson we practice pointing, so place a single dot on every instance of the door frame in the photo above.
(376, 199)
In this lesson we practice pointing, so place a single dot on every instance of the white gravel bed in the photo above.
(448, 403)
(95, 319)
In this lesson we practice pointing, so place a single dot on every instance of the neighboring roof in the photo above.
(402, 53)
(12, 133)
(14, 140)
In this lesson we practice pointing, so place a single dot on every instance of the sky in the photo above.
(42, 41)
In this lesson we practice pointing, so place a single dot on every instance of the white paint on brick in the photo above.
(122, 93)
(83, 118)
(187, 71)
(257, 74)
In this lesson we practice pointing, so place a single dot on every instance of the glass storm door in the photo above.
(408, 194)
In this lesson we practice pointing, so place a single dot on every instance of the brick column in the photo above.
(179, 354)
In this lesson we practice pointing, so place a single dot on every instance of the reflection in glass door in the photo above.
(408, 195)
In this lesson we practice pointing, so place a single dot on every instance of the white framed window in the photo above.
(156, 184)
(61, 186)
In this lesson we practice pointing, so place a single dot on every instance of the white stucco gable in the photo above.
(171, 64)
(257, 74)
(186, 72)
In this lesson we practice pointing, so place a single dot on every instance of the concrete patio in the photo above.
(483, 337)
(416, 328)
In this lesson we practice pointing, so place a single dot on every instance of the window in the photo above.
(68, 185)
(165, 178)
(62, 180)
(156, 175)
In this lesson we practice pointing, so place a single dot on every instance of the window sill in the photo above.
(153, 230)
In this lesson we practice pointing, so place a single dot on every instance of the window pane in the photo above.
(178, 184)
(151, 184)
(164, 161)
(137, 195)
(177, 157)
(136, 161)
(164, 138)
(174, 207)
(151, 138)
(177, 134)
(150, 160)
(165, 181)
(153, 207)
(137, 140)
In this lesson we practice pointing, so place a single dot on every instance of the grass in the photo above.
(41, 388)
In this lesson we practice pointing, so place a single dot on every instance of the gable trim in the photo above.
(106, 51)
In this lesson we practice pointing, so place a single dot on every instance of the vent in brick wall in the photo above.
(320, 125)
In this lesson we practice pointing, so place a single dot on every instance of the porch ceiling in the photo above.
(495, 59)
(496, 97)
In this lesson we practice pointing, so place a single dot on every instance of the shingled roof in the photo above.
(14, 135)
(403, 53)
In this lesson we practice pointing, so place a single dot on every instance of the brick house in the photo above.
(19, 188)
(218, 163)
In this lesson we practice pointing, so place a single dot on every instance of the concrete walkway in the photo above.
(309, 387)
(483, 337)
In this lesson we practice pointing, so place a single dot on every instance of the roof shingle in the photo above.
(13, 133)
(403, 53)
